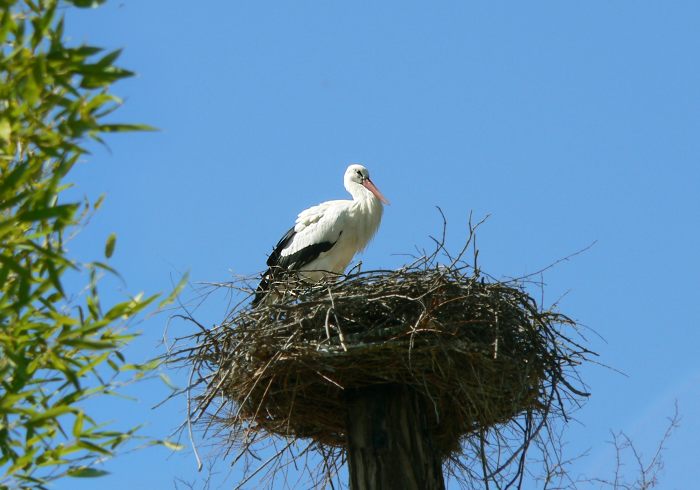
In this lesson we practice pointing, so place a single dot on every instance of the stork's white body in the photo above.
(350, 225)
(326, 237)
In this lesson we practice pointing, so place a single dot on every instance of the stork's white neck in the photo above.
(366, 211)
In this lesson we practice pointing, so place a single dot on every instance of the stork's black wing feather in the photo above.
(274, 258)
(278, 262)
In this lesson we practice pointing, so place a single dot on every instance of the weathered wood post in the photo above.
(389, 442)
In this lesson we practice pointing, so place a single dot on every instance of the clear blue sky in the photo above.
(567, 122)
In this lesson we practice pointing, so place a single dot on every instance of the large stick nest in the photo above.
(480, 352)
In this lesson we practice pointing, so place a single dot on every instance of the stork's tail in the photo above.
(263, 288)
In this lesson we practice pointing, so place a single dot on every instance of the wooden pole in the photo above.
(389, 444)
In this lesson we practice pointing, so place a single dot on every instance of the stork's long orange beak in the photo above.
(373, 189)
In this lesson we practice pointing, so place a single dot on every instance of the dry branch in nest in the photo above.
(489, 362)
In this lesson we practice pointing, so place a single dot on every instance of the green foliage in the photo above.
(56, 349)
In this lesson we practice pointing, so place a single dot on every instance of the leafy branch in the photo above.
(57, 349)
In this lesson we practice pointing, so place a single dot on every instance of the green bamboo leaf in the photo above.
(87, 3)
(24, 460)
(118, 128)
(109, 58)
(95, 76)
(61, 211)
(109, 246)
(175, 292)
(51, 413)
(103, 266)
(90, 344)
(173, 446)
(13, 181)
(91, 446)
(168, 382)
(78, 425)
(5, 130)
(85, 472)
(98, 202)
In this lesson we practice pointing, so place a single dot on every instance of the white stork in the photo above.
(326, 237)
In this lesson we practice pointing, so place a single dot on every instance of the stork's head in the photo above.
(357, 174)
